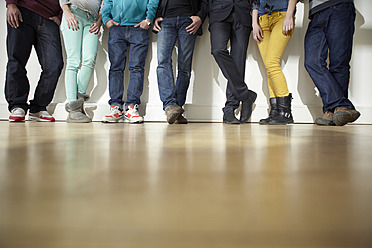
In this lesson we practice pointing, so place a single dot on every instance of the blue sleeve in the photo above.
(152, 6)
(106, 11)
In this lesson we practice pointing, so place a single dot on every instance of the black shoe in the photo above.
(285, 111)
(274, 111)
(229, 117)
(247, 106)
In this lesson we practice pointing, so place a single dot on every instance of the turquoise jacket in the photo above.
(129, 12)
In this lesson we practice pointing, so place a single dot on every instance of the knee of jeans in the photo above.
(310, 62)
(136, 68)
(164, 59)
(54, 68)
(184, 69)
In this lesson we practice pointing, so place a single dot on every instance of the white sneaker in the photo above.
(114, 116)
(17, 114)
(132, 115)
(41, 116)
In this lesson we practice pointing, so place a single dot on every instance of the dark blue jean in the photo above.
(330, 34)
(43, 34)
(120, 38)
(172, 30)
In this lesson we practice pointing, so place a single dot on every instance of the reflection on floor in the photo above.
(197, 185)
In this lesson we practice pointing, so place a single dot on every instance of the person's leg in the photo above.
(220, 35)
(275, 49)
(19, 45)
(239, 44)
(90, 46)
(282, 112)
(316, 54)
(167, 37)
(73, 44)
(340, 34)
(265, 21)
(117, 50)
(186, 44)
(264, 44)
(139, 44)
(49, 52)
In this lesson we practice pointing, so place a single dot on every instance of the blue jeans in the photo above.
(172, 30)
(43, 34)
(81, 49)
(330, 33)
(120, 38)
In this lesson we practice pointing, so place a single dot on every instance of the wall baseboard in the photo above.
(195, 112)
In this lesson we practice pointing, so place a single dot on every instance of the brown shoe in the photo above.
(344, 115)
(173, 112)
(181, 120)
(326, 119)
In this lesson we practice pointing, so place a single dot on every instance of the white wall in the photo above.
(206, 93)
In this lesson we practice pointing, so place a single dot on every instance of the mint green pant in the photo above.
(81, 49)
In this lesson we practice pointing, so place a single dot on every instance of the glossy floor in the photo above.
(197, 185)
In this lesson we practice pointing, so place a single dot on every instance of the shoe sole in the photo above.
(113, 121)
(322, 122)
(133, 122)
(17, 119)
(181, 122)
(280, 123)
(231, 122)
(77, 121)
(39, 119)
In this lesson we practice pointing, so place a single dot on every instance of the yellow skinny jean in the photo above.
(272, 48)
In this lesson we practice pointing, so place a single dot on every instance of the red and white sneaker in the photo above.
(132, 115)
(115, 115)
(43, 116)
(17, 115)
